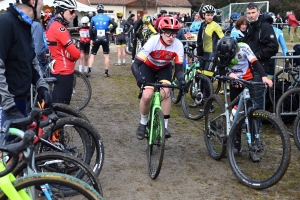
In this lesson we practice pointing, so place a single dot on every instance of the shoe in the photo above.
(140, 133)
(254, 156)
(193, 105)
(118, 64)
(167, 133)
(106, 74)
(222, 92)
(88, 74)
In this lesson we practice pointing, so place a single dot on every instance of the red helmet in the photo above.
(169, 23)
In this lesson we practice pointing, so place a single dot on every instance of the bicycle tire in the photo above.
(65, 164)
(88, 131)
(215, 127)
(297, 132)
(280, 76)
(69, 137)
(190, 108)
(176, 94)
(63, 110)
(287, 108)
(82, 91)
(158, 140)
(54, 180)
(218, 85)
(272, 149)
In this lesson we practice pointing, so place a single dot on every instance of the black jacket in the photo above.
(262, 39)
(17, 53)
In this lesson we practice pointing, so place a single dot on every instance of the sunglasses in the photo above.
(72, 12)
(169, 34)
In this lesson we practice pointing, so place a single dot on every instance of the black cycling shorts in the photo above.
(120, 40)
(150, 74)
(63, 88)
(84, 48)
(103, 43)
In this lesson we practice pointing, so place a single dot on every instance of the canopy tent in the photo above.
(49, 3)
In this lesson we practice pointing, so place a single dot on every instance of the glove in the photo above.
(140, 81)
(43, 94)
(181, 83)
(192, 45)
(13, 113)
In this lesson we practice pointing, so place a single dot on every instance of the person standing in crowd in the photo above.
(84, 43)
(194, 28)
(293, 22)
(188, 18)
(131, 20)
(18, 64)
(163, 14)
(122, 31)
(141, 25)
(263, 42)
(90, 15)
(40, 45)
(99, 36)
(64, 53)
(279, 21)
(218, 17)
(180, 33)
(233, 18)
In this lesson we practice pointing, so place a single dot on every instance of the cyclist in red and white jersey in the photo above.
(84, 39)
(154, 60)
(63, 52)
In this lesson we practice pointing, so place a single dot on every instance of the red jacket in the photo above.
(292, 21)
(60, 44)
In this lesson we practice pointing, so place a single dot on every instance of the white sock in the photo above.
(124, 60)
(80, 68)
(119, 60)
(86, 68)
(144, 119)
(166, 123)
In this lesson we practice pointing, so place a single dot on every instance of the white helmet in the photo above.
(91, 13)
(84, 20)
(42, 13)
(208, 9)
(65, 4)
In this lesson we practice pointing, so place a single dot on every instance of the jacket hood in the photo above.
(267, 18)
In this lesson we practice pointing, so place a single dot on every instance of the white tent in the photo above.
(80, 6)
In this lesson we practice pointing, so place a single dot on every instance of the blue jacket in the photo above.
(280, 38)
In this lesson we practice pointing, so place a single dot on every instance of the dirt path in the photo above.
(188, 172)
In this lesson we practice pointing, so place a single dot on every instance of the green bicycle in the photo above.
(34, 185)
(198, 85)
(155, 130)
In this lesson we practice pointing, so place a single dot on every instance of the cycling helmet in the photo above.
(163, 12)
(218, 11)
(100, 7)
(169, 23)
(226, 50)
(84, 20)
(91, 13)
(119, 14)
(272, 15)
(146, 18)
(235, 16)
(65, 4)
(208, 9)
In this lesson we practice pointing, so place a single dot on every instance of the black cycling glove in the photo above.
(43, 94)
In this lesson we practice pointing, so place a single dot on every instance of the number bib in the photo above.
(100, 33)
(119, 31)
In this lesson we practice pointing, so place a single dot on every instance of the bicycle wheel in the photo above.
(265, 162)
(281, 80)
(65, 164)
(64, 110)
(56, 182)
(297, 132)
(215, 127)
(77, 136)
(200, 89)
(287, 108)
(155, 150)
(176, 94)
(82, 91)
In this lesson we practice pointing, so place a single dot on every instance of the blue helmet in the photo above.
(235, 16)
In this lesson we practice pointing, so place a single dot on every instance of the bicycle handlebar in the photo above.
(239, 81)
(155, 85)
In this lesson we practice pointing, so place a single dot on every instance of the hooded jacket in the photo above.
(16, 50)
(262, 39)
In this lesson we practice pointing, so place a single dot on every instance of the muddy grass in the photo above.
(188, 172)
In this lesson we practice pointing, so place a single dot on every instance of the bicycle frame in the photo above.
(155, 103)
